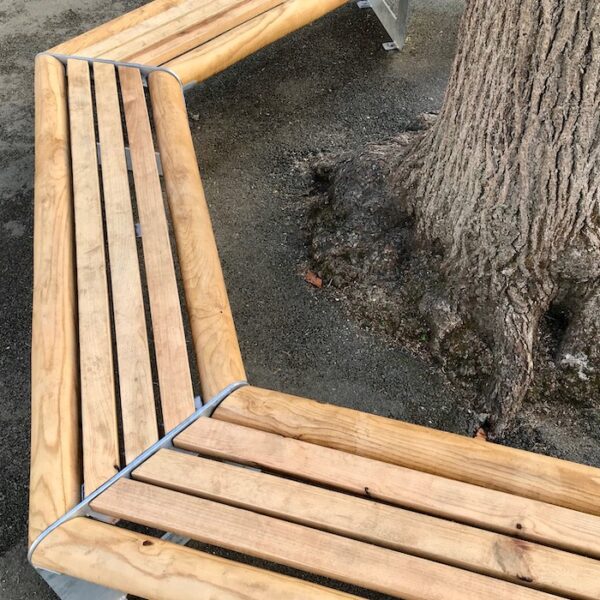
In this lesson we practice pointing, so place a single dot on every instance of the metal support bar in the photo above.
(128, 158)
(83, 509)
(145, 70)
(70, 588)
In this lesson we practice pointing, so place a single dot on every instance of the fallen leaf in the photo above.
(313, 279)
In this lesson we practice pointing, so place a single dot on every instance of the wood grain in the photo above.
(99, 411)
(135, 374)
(170, 34)
(213, 330)
(369, 521)
(151, 568)
(176, 393)
(474, 505)
(238, 43)
(200, 32)
(55, 479)
(76, 45)
(157, 27)
(349, 561)
(453, 456)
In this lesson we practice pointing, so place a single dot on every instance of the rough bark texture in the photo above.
(503, 190)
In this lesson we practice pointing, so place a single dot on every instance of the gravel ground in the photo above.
(327, 87)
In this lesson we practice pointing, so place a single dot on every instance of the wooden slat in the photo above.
(213, 330)
(301, 547)
(428, 537)
(447, 498)
(55, 454)
(151, 568)
(497, 467)
(151, 29)
(240, 42)
(176, 393)
(99, 416)
(76, 45)
(135, 375)
(200, 31)
(172, 28)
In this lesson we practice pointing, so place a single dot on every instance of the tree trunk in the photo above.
(505, 185)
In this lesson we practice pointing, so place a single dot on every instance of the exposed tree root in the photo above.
(365, 242)
(491, 217)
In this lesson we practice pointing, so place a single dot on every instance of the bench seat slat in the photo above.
(415, 490)
(135, 374)
(225, 50)
(369, 521)
(267, 538)
(176, 30)
(152, 568)
(176, 392)
(453, 456)
(199, 32)
(99, 413)
(76, 45)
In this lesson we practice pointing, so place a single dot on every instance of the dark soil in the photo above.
(365, 251)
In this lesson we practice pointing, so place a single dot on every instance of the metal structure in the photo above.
(393, 15)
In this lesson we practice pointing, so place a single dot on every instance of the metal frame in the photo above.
(145, 70)
(393, 15)
(128, 160)
(72, 588)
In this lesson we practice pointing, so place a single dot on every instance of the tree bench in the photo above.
(403, 510)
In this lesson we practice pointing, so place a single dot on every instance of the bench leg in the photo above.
(393, 14)
(69, 588)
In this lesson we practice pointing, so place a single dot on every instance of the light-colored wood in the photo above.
(55, 454)
(369, 521)
(176, 393)
(431, 494)
(497, 467)
(300, 547)
(157, 28)
(76, 45)
(215, 340)
(98, 411)
(151, 568)
(135, 374)
(200, 32)
(178, 30)
(240, 42)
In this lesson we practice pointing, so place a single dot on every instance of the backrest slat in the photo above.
(177, 398)
(135, 374)
(99, 415)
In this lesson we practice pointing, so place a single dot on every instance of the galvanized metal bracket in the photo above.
(144, 70)
(393, 15)
(83, 509)
(128, 158)
(70, 588)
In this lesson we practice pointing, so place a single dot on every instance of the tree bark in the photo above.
(505, 185)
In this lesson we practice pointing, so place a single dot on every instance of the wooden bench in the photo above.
(129, 332)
